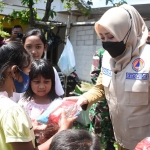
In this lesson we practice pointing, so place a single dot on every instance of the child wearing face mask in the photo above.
(16, 130)
(35, 43)
(39, 95)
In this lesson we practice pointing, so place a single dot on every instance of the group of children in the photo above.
(24, 75)
(44, 84)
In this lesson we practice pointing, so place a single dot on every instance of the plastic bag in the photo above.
(143, 145)
(66, 61)
(53, 112)
(44, 117)
(70, 107)
(83, 117)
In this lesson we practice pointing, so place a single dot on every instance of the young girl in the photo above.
(40, 94)
(16, 130)
(34, 42)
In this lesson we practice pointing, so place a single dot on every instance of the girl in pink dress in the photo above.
(40, 94)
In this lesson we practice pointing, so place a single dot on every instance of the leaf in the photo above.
(4, 34)
(52, 13)
(77, 90)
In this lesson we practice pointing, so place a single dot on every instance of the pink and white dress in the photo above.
(34, 110)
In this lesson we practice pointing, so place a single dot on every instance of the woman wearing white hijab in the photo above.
(125, 75)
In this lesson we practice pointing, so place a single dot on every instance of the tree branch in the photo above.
(47, 10)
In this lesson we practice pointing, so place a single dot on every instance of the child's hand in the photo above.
(37, 127)
(66, 123)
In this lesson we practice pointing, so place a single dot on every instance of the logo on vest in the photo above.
(138, 64)
(107, 72)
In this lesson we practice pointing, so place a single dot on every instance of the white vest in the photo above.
(128, 97)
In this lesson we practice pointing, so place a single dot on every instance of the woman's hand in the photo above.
(79, 99)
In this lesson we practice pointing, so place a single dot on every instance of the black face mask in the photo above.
(114, 48)
(147, 42)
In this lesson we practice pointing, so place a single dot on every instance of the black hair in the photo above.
(16, 26)
(74, 139)
(44, 68)
(36, 32)
(13, 53)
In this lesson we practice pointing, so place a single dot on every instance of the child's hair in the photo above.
(44, 68)
(13, 53)
(74, 139)
(35, 32)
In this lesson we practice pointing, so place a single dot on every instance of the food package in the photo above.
(143, 145)
(53, 112)
(44, 117)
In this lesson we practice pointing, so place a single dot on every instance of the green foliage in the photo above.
(31, 12)
(24, 15)
(28, 2)
(82, 5)
(2, 6)
(52, 13)
(4, 34)
(116, 4)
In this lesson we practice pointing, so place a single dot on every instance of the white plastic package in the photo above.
(66, 61)
(44, 117)
(53, 112)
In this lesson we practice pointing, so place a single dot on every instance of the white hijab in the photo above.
(117, 21)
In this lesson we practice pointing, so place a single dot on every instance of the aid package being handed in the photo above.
(143, 145)
(53, 112)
